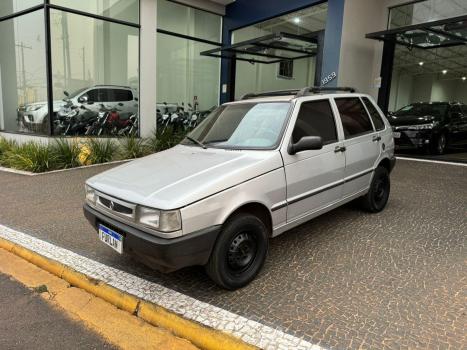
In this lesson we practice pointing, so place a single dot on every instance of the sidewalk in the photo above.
(30, 322)
(41, 311)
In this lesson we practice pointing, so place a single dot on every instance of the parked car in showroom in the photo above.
(430, 126)
(251, 170)
(34, 115)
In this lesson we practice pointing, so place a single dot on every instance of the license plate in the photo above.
(396, 135)
(111, 238)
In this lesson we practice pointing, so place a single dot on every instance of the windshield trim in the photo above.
(252, 148)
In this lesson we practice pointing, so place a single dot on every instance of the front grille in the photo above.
(116, 206)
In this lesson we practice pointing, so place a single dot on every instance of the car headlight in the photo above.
(91, 196)
(34, 108)
(161, 220)
(421, 126)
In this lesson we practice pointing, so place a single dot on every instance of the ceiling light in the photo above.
(421, 63)
(296, 20)
(444, 71)
(464, 78)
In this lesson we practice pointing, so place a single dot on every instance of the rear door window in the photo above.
(119, 95)
(355, 119)
(374, 114)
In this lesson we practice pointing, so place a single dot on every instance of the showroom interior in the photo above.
(158, 60)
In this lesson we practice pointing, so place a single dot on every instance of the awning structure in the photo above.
(271, 48)
(429, 35)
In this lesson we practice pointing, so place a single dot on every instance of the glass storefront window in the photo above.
(189, 21)
(8, 7)
(184, 76)
(124, 10)
(95, 74)
(23, 83)
(267, 77)
(425, 11)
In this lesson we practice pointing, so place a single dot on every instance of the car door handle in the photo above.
(339, 149)
(376, 138)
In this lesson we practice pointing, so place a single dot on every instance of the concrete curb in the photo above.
(199, 335)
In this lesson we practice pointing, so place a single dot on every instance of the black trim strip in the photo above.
(92, 15)
(183, 36)
(48, 67)
(280, 206)
(20, 13)
(305, 196)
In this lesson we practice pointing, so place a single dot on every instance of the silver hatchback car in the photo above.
(251, 170)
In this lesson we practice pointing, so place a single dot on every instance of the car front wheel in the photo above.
(240, 251)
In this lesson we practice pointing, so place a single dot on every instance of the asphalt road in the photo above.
(347, 279)
(29, 322)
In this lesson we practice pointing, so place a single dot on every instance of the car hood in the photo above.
(411, 119)
(56, 104)
(183, 175)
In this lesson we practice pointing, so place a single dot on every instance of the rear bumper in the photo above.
(162, 254)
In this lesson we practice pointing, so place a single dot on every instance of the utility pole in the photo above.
(23, 68)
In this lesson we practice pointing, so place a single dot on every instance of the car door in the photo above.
(314, 177)
(361, 144)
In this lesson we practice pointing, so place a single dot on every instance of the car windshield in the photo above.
(423, 109)
(242, 126)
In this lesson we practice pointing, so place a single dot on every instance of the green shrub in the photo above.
(65, 153)
(133, 147)
(30, 156)
(5, 146)
(101, 150)
(162, 140)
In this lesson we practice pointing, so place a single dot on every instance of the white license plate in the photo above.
(396, 134)
(111, 238)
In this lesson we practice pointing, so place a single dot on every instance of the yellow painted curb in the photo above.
(199, 335)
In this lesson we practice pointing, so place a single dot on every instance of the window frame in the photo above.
(346, 137)
(299, 107)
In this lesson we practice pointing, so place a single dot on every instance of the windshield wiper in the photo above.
(199, 143)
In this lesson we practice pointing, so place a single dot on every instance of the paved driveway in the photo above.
(348, 279)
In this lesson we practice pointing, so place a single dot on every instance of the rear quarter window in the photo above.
(355, 119)
(374, 114)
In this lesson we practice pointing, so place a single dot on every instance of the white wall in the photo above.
(408, 89)
(360, 58)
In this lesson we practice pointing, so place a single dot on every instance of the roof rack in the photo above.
(113, 85)
(298, 92)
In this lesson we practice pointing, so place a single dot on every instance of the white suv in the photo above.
(251, 170)
(34, 115)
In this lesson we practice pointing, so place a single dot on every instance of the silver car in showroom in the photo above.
(251, 170)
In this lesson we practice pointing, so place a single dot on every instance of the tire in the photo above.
(377, 197)
(439, 144)
(239, 252)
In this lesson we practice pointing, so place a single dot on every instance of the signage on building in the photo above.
(326, 80)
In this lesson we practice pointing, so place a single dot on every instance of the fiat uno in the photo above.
(251, 170)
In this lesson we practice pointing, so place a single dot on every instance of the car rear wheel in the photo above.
(240, 251)
(377, 197)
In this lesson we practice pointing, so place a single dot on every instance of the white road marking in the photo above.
(250, 331)
(431, 161)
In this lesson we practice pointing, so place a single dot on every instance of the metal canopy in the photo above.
(271, 48)
(429, 35)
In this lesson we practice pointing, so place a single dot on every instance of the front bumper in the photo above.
(162, 254)
(413, 139)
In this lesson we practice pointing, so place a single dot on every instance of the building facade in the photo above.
(158, 61)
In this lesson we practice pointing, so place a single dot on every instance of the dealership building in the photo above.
(144, 56)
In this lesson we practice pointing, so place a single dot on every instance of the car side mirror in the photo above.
(83, 99)
(306, 143)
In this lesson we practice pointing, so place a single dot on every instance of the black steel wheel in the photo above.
(239, 252)
(378, 194)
